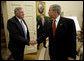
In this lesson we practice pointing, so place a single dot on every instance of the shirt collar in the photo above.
(19, 19)
(58, 18)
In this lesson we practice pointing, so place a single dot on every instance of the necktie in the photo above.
(24, 29)
(43, 22)
(54, 28)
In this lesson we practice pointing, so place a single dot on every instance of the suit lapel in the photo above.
(60, 24)
(19, 25)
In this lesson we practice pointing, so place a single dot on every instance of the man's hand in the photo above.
(32, 42)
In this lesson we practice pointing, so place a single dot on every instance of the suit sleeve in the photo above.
(72, 40)
(14, 33)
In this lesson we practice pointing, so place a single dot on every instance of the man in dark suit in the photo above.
(62, 35)
(19, 34)
(41, 26)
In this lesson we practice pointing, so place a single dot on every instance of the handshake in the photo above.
(32, 42)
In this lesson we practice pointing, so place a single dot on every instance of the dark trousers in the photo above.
(57, 57)
(18, 54)
(44, 43)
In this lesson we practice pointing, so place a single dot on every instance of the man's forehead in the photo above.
(50, 7)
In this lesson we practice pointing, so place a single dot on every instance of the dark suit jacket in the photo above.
(17, 39)
(41, 29)
(64, 43)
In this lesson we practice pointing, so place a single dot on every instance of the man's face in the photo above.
(20, 14)
(51, 13)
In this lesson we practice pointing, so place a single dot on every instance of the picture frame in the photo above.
(40, 7)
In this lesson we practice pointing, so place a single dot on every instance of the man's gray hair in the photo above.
(57, 8)
(17, 9)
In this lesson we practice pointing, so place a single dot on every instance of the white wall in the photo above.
(70, 8)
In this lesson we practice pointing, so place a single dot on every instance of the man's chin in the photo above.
(22, 17)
